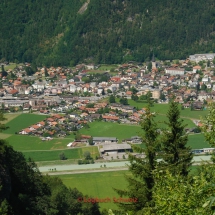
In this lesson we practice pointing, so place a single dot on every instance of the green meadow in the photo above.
(72, 153)
(163, 108)
(22, 121)
(25, 142)
(98, 185)
(109, 129)
(197, 141)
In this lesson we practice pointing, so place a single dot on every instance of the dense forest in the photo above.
(52, 32)
(24, 190)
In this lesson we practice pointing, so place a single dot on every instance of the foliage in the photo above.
(174, 194)
(59, 35)
(176, 155)
(141, 182)
(87, 155)
(208, 127)
(112, 99)
(123, 101)
(62, 156)
(91, 141)
(25, 191)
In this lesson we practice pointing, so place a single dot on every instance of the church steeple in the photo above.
(153, 57)
(153, 62)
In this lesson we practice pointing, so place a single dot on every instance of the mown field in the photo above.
(108, 129)
(163, 108)
(101, 184)
(22, 121)
(98, 185)
(25, 142)
(72, 153)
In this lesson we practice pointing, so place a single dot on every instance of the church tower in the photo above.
(153, 62)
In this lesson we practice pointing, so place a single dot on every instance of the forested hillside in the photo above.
(53, 32)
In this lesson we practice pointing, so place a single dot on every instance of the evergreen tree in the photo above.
(142, 180)
(176, 155)
(46, 72)
(112, 99)
(149, 99)
(208, 127)
(3, 72)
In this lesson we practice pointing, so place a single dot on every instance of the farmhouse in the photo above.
(115, 148)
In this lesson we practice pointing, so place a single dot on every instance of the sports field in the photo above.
(98, 185)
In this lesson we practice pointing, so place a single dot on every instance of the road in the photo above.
(99, 167)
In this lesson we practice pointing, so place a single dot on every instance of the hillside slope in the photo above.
(111, 31)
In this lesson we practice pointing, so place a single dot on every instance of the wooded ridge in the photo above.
(57, 33)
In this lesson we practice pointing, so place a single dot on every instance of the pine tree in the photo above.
(177, 157)
(112, 99)
(142, 180)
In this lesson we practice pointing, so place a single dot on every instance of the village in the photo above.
(72, 98)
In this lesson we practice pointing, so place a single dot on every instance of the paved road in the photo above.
(72, 167)
(99, 167)
(88, 171)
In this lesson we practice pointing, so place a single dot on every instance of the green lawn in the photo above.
(163, 108)
(10, 116)
(121, 131)
(108, 129)
(72, 153)
(10, 66)
(23, 121)
(25, 142)
(197, 141)
(105, 67)
(75, 153)
(98, 185)
(161, 118)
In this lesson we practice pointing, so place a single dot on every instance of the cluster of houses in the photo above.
(54, 125)
(48, 87)
(61, 89)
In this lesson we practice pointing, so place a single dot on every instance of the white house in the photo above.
(174, 71)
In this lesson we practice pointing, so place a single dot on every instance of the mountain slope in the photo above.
(110, 31)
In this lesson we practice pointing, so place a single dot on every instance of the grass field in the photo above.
(197, 141)
(53, 155)
(98, 185)
(22, 121)
(10, 116)
(108, 129)
(25, 142)
(10, 66)
(163, 108)
(122, 131)
(74, 153)
(107, 67)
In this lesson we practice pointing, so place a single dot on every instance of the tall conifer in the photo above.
(142, 180)
(177, 157)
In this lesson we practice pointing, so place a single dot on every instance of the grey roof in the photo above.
(104, 138)
(124, 146)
